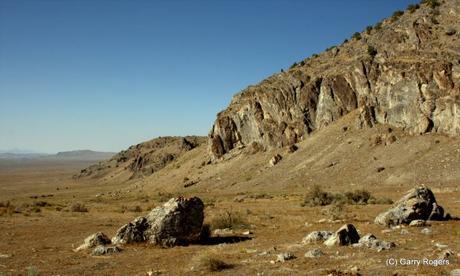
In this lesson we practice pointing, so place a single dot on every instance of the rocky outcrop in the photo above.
(144, 159)
(179, 221)
(316, 236)
(418, 204)
(411, 81)
(372, 242)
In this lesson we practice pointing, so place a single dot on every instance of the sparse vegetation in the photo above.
(134, 209)
(32, 271)
(431, 3)
(78, 208)
(212, 263)
(378, 26)
(163, 196)
(293, 65)
(413, 7)
(371, 51)
(6, 209)
(318, 197)
(345, 41)
(356, 36)
(396, 15)
(368, 30)
(231, 220)
(451, 31)
(336, 211)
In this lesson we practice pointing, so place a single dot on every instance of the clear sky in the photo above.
(106, 74)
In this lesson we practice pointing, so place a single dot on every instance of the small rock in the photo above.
(441, 246)
(404, 232)
(346, 235)
(105, 250)
(417, 223)
(5, 256)
(247, 233)
(446, 254)
(427, 231)
(94, 240)
(316, 236)
(285, 257)
(223, 232)
(275, 160)
(380, 169)
(314, 253)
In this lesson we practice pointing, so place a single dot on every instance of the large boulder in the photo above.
(418, 204)
(178, 221)
(346, 235)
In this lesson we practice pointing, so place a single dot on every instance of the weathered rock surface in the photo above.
(179, 221)
(282, 257)
(346, 235)
(417, 204)
(316, 236)
(417, 223)
(314, 253)
(275, 160)
(94, 240)
(372, 242)
(105, 250)
(412, 83)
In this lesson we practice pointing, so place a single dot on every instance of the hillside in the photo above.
(376, 93)
(403, 71)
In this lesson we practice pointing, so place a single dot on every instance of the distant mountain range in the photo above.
(64, 155)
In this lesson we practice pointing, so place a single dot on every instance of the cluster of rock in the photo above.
(346, 235)
(413, 209)
(178, 222)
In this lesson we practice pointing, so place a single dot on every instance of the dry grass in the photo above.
(78, 207)
(212, 263)
(231, 220)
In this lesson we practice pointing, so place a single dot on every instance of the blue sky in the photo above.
(106, 74)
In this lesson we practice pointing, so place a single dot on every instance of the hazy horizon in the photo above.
(103, 75)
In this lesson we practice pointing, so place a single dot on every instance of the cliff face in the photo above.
(404, 72)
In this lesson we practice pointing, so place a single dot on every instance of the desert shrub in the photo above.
(371, 51)
(396, 15)
(431, 3)
(378, 26)
(356, 36)
(41, 203)
(345, 41)
(32, 271)
(293, 65)
(231, 220)
(6, 209)
(336, 211)
(358, 197)
(212, 263)
(413, 7)
(317, 197)
(434, 20)
(261, 196)
(368, 29)
(78, 207)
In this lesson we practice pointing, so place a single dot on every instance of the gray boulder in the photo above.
(372, 242)
(178, 221)
(94, 240)
(418, 203)
(346, 235)
(314, 253)
(316, 236)
(105, 250)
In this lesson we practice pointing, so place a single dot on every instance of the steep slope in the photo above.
(143, 159)
(405, 72)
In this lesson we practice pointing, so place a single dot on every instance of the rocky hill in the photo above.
(403, 71)
(143, 159)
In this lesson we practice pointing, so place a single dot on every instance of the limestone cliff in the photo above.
(404, 71)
